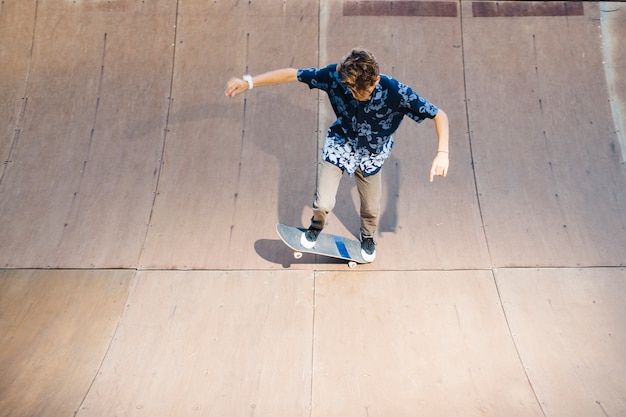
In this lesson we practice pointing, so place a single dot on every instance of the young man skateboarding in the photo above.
(369, 107)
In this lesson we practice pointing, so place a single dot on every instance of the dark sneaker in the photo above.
(309, 237)
(368, 249)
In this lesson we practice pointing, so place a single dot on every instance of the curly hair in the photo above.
(359, 69)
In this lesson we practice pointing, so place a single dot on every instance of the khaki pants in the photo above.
(370, 189)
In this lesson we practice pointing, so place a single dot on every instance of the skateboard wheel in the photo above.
(352, 264)
(297, 255)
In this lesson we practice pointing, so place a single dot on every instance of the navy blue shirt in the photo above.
(362, 134)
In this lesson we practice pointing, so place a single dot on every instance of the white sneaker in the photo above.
(368, 249)
(309, 237)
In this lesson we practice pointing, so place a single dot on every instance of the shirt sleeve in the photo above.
(415, 106)
(317, 77)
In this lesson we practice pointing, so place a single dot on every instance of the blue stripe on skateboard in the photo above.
(341, 247)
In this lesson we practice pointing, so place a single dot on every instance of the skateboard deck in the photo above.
(326, 245)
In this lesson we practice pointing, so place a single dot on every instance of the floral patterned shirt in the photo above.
(362, 134)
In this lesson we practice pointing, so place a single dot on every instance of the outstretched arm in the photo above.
(239, 85)
(441, 161)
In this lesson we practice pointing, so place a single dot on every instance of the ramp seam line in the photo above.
(161, 161)
(94, 123)
(314, 268)
(131, 289)
(317, 155)
(320, 45)
(482, 219)
(517, 352)
(469, 136)
(241, 148)
(22, 114)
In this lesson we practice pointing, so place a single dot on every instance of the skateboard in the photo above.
(326, 245)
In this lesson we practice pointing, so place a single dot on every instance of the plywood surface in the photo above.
(55, 330)
(415, 343)
(569, 328)
(210, 343)
(79, 188)
(547, 162)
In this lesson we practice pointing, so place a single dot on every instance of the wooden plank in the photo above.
(400, 8)
(214, 343)
(568, 328)
(83, 175)
(548, 174)
(235, 167)
(527, 8)
(108, 223)
(401, 344)
(55, 327)
(17, 19)
(192, 213)
(46, 163)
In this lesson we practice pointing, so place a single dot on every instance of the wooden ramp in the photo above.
(141, 274)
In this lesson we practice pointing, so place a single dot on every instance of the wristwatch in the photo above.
(248, 78)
